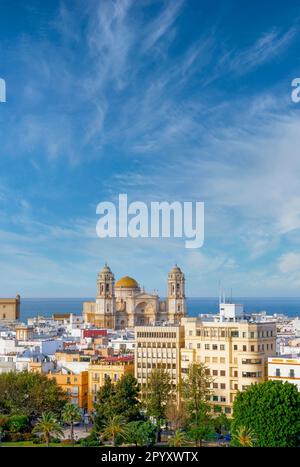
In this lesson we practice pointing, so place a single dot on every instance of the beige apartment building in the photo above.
(158, 347)
(235, 352)
(10, 308)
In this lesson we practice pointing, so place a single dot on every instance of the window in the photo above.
(206, 346)
(222, 373)
(222, 360)
(235, 347)
(198, 346)
(215, 385)
(223, 386)
(292, 373)
(215, 359)
(244, 348)
(190, 333)
(252, 348)
(214, 347)
(222, 347)
(227, 410)
(215, 372)
(223, 399)
(207, 359)
(215, 398)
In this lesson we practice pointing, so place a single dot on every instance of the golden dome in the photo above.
(127, 283)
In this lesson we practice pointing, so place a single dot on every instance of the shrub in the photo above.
(90, 441)
(37, 440)
(16, 437)
(55, 440)
(67, 442)
(17, 423)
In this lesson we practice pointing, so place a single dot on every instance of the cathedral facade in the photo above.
(125, 304)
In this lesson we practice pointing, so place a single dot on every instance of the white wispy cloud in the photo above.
(265, 48)
(161, 25)
(289, 262)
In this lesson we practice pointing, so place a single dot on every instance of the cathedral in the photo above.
(125, 304)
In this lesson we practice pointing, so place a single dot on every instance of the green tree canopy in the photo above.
(117, 399)
(140, 433)
(158, 393)
(271, 411)
(30, 394)
(196, 388)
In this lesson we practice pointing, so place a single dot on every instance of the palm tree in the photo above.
(47, 425)
(71, 414)
(178, 439)
(244, 437)
(113, 427)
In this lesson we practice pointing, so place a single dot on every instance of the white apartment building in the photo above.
(158, 347)
(285, 368)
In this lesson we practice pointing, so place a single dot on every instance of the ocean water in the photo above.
(47, 306)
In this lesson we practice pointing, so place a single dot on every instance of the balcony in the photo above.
(251, 361)
(251, 374)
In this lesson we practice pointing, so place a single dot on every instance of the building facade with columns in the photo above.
(125, 304)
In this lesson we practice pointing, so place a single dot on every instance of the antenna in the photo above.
(231, 295)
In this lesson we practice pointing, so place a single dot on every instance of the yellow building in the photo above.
(76, 385)
(113, 368)
(158, 347)
(10, 308)
(236, 354)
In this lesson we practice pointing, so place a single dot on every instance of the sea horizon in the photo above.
(43, 306)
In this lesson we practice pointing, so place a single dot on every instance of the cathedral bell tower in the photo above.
(176, 295)
(105, 299)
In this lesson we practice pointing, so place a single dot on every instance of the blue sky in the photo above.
(163, 100)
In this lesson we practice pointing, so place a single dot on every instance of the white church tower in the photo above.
(176, 294)
(105, 299)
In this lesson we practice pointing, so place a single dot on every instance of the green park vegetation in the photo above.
(33, 411)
